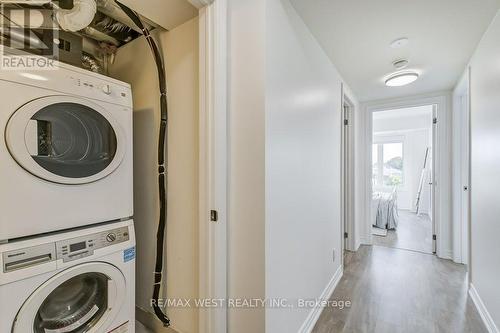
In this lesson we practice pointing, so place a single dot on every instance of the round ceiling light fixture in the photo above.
(401, 79)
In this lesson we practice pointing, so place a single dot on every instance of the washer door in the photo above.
(64, 139)
(84, 298)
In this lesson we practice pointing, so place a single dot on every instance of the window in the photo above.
(387, 168)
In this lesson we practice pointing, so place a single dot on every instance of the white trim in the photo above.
(447, 254)
(313, 316)
(213, 163)
(348, 167)
(442, 152)
(200, 3)
(483, 311)
(365, 240)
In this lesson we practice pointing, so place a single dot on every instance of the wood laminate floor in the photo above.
(413, 233)
(401, 291)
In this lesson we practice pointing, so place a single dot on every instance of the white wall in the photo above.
(416, 133)
(303, 104)
(134, 64)
(284, 161)
(246, 158)
(485, 176)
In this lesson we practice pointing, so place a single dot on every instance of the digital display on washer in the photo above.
(77, 246)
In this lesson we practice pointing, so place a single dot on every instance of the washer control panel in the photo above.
(84, 246)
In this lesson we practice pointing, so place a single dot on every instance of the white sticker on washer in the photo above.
(120, 329)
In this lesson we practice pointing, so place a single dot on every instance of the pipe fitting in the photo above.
(77, 18)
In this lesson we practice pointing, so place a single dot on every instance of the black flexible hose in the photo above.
(162, 179)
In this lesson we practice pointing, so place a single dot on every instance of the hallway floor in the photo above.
(398, 291)
(413, 233)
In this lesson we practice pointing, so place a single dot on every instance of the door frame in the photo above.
(347, 174)
(213, 168)
(440, 160)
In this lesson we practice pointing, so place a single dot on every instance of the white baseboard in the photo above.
(365, 240)
(313, 316)
(483, 311)
(357, 245)
(446, 254)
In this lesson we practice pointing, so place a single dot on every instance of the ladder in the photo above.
(421, 183)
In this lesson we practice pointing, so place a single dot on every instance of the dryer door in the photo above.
(84, 298)
(65, 139)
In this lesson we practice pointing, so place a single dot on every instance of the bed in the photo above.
(385, 209)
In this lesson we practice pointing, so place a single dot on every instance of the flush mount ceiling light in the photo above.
(401, 79)
(400, 42)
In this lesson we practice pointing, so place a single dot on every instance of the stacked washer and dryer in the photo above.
(67, 242)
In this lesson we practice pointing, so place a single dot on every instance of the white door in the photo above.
(83, 298)
(465, 170)
(64, 139)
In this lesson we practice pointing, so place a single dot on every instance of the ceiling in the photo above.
(166, 13)
(356, 35)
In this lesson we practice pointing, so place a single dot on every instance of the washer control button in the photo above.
(106, 89)
(111, 237)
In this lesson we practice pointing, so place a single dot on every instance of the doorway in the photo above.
(402, 164)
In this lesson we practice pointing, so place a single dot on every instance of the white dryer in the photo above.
(78, 281)
(66, 153)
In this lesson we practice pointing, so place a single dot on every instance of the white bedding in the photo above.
(385, 210)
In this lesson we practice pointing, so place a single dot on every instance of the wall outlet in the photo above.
(333, 255)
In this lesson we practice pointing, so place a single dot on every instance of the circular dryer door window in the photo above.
(84, 298)
(74, 306)
(66, 140)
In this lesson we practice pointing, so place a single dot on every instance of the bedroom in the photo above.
(402, 178)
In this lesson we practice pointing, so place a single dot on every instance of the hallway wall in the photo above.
(485, 179)
(284, 161)
(303, 123)
(246, 162)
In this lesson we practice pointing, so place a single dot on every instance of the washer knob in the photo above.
(106, 89)
(111, 237)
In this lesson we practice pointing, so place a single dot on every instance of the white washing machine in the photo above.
(78, 281)
(66, 153)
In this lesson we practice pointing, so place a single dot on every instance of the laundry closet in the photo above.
(134, 64)
(79, 141)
